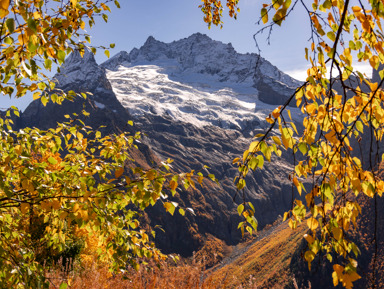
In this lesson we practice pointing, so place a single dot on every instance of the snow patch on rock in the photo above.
(99, 105)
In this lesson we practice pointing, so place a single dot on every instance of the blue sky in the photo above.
(169, 20)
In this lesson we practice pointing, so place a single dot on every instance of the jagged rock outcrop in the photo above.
(80, 74)
(200, 54)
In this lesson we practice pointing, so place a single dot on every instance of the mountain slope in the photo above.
(197, 101)
(264, 262)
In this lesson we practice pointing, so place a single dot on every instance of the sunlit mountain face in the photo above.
(197, 80)
(196, 101)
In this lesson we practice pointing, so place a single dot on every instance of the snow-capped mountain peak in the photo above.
(197, 80)
(194, 100)
(80, 73)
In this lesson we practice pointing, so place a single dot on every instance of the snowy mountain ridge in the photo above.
(183, 97)
(197, 80)
(200, 54)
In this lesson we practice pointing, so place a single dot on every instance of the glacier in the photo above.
(195, 80)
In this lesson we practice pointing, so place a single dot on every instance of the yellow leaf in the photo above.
(45, 205)
(276, 112)
(36, 15)
(349, 278)
(253, 146)
(76, 207)
(331, 137)
(33, 87)
(335, 279)
(169, 207)
(296, 182)
(84, 214)
(311, 108)
(119, 172)
(51, 52)
(309, 198)
(173, 185)
(286, 136)
(269, 120)
(309, 238)
(286, 215)
(312, 223)
(135, 240)
(63, 215)
(151, 175)
(309, 256)
(289, 113)
(337, 233)
(264, 15)
(373, 86)
(292, 224)
(277, 140)
(23, 39)
(24, 207)
(105, 7)
(56, 204)
(79, 136)
(338, 269)
(245, 154)
(4, 5)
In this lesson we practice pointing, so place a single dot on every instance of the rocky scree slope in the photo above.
(198, 102)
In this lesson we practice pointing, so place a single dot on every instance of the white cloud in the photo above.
(301, 74)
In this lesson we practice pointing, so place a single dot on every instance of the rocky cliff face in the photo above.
(198, 102)
(80, 74)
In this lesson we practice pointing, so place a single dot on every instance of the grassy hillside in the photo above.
(263, 262)
(259, 263)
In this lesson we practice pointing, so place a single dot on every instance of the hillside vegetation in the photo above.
(262, 262)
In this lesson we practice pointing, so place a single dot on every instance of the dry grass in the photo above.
(265, 264)
(213, 252)
(266, 261)
(168, 275)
